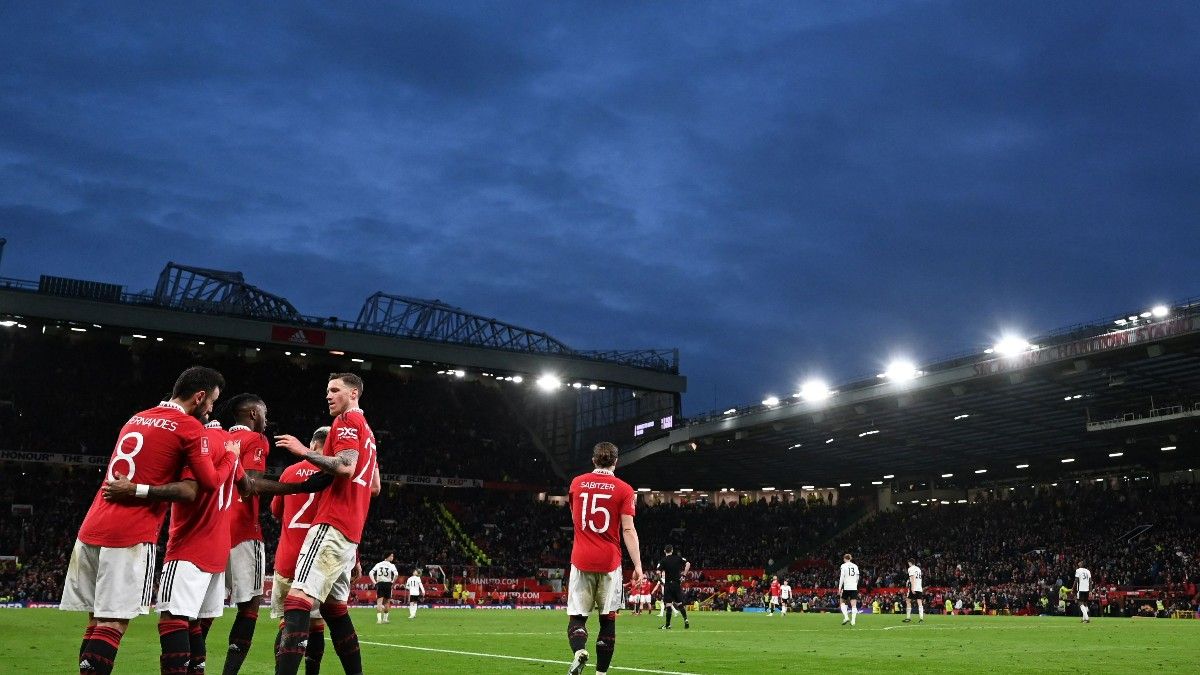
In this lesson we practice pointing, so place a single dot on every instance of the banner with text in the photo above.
(433, 481)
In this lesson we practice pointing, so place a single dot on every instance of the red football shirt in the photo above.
(200, 530)
(348, 499)
(775, 588)
(153, 446)
(598, 500)
(243, 521)
(294, 518)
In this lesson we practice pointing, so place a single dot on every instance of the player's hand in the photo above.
(636, 576)
(233, 446)
(118, 489)
(291, 444)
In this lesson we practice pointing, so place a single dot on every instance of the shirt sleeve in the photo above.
(347, 434)
(629, 503)
(254, 456)
(200, 461)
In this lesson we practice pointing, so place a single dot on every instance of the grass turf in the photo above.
(47, 640)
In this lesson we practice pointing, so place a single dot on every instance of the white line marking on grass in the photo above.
(417, 635)
(518, 658)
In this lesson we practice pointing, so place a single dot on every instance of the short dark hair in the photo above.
(604, 455)
(194, 379)
(319, 435)
(351, 379)
(235, 405)
(668, 549)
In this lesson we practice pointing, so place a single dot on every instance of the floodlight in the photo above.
(1022, 466)
(771, 401)
(980, 470)
(548, 383)
(947, 475)
(814, 390)
(1159, 311)
(889, 476)
(518, 379)
(1011, 346)
(1116, 454)
(901, 370)
(730, 411)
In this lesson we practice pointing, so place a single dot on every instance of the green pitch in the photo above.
(450, 641)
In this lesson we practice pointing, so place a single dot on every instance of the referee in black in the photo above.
(674, 568)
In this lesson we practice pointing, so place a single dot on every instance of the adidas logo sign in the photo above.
(299, 337)
(303, 643)
(85, 665)
(234, 648)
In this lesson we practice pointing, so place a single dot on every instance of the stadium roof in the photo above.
(1084, 394)
(219, 304)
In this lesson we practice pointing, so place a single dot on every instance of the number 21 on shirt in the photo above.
(586, 517)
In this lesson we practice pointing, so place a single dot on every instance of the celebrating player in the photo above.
(774, 592)
(295, 513)
(415, 590)
(191, 590)
(330, 548)
(674, 568)
(1082, 587)
(915, 592)
(247, 558)
(599, 501)
(848, 584)
(111, 573)
(383, 575)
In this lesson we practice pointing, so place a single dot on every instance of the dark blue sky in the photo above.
(778, 189)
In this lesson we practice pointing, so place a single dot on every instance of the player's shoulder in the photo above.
(353, 417)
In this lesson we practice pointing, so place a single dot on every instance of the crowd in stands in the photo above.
(69, 393)
(754, 534)
(1011, 553)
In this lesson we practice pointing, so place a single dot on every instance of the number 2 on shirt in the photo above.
(370, 446)
(585, 520)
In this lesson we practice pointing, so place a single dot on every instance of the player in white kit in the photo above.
(415, 590)
(915, 592)
(848, 584)
(785, 592)
(1082, 588)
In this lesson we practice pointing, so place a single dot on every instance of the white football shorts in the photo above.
(187, 590)
(111, 583)
(588, 591)
(324, 565)
(245, 571)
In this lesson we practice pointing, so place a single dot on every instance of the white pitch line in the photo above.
(518, 658)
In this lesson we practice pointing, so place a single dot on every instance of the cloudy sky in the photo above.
(778, 189)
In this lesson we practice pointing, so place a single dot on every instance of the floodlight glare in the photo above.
(731, 411)
(771, 401)
(548, 383)
(814, 390)
(947, 475)
(518, 379)
(1145, 315)
(1159, 311)
(1011, 346)
(901, 370)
